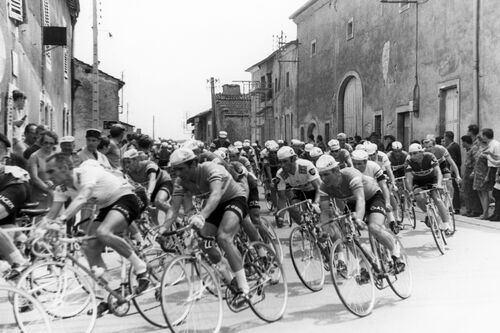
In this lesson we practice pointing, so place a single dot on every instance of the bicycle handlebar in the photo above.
(308, 201)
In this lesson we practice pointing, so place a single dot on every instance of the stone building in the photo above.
(109, 100)
(41, 71)
(358, 62)
(274, 95)
(233, 116)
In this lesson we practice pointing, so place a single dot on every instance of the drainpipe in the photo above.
(477, 12)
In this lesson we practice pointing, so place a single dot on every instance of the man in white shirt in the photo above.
(89, 152)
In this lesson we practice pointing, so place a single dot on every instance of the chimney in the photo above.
(231, 89)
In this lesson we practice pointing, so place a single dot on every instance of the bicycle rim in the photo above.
(65, 293)
(307, 259)
(401, 282)
(436, 232)
(148, 304)
(413, 216)
(267, 281)
(353, 278)
(271, 238)
(191, 297)
(28, 314)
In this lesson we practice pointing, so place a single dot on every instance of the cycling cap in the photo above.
(190, 144)
(360, 147)
(326, 162)
(223, 134)
(415, 147)
(359, 155)
(201, 144)
(254, 144)
(67, 139)
(246, 140)
(164, 144)
(285, 152)
(334, 144)
(131, 153)
(308, 147)
(272, 145)
(238, 144)
(371, 148)
(221, 154)
(316, 152)
(296, 142)
(342, 136)
(181, 155)
(396, 145)
(246, 143)
(233, 150)
(281, 142)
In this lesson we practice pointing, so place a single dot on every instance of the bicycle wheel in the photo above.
(411, 214)
(65, 292)
(353, 278)
(401, 282)
(191, 297)
(267, 281)
(28, 314)
(437, 234)
(307, 259)
(270, 237)
(148, 304)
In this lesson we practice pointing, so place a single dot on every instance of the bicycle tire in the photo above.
(401, 282)
(268, 285)
(29, 314)
(148, 304)
(64, 291)
(357, 275)
(185, 308)
(307, 259)
(435, 230)
(412, 215)
(270, 237)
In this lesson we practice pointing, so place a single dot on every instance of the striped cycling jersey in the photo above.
(423, 168)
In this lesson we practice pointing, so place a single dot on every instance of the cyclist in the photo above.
(299, 174)
(235, 156)
(342, 137)
(397, 156)
(364, 197)
(118, 205)
(14, 192)
(315, 153)
(342, 156)
(223, 212)
(270, 166)
(423, 172)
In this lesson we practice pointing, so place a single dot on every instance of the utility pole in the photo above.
(95, 71)
(214, 113)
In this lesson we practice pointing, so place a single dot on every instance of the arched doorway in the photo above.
(351, 105)
(311, 130)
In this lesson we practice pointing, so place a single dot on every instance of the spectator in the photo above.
(319, 143)
(37, 166)
(10, 158)
(472, 204)
(222, 140)
(36, 145)
(388, 140)
(67, 145)
(492, 153)
(114, 154)
(103, 146)
(311, 139)
(454, 151)
(89, 152)
(19, 116)
(342, 137)
(481, 183)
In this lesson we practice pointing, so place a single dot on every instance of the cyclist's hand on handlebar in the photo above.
(197, 221)
(316, 208)
(360, 223)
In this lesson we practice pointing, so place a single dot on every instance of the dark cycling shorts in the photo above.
(128, 206)
(236, 205)
(166, 186)
(253, 196)
(303, 195)
(274, 170)
(444, 168)
(12, 198)
(375, 204)
(424, 182)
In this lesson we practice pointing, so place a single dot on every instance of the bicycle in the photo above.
(406, 204)
(309, 247)
(448, 203)
(63, 287)
(357, 271)
(434, 222)
(191, 291)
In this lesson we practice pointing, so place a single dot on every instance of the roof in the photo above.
(234, 104)
(83, 64)
(199, 115)
(302, 9)
(271, 56)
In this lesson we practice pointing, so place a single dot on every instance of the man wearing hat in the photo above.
(67, 145)
(89, 152)
(114, 154)
(222, 140)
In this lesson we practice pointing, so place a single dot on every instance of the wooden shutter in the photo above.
(16, 10)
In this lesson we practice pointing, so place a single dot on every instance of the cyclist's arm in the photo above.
(55, 209)
(439, 175)
(316, 184)
(348, 161)
(281, 200)
(359, 196)
(33, 170)
(172, 213)
(453, 166)
(214, 198)
(151, 184)
(385, 190)
(81, 199)
(409, 180)
(390, 174)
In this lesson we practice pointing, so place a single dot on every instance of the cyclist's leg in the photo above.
(375, 209)
(443, 210)
(449, 187)
(250, 229)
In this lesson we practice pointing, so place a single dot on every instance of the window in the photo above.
(302, 134)
(46, 23)
(327, 133)
(15, 8)
(313, 47)
(403, 7)
(350, 29)
(66, 63)
(378, 125)
(275, 85)
(288, 79)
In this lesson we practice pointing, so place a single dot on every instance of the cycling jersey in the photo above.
(382, 160)
(441, 154)
(423, 172)
(207, 173)
(398, 158)
(106, 187)
(305, 174)
(144, 169)
(14, 191)
(352, 179)
(373, 170)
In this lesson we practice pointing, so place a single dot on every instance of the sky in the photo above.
(167, 50)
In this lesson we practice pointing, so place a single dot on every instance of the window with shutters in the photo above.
(15, 8)
(66, 62)
(46, 23)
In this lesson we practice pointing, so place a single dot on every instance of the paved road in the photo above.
(455, 292)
